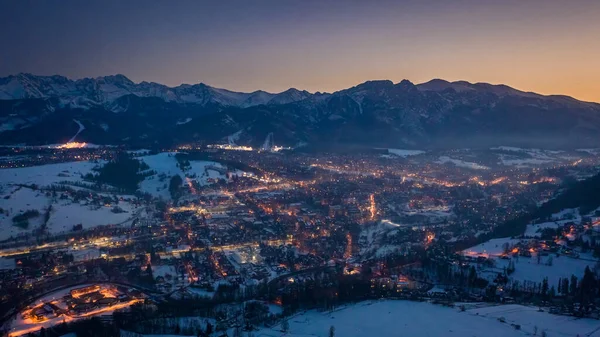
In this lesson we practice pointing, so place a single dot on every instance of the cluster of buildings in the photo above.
(81, 302)
(293, 213)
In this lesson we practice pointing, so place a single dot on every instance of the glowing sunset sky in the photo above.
(546, 46)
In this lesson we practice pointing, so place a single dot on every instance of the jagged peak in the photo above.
(438, 84)
(115, 79)
(295, 91)
(373, 84)
(26, 75)
(462, 82)
(260, 92)
(32, 86)
(406, 84)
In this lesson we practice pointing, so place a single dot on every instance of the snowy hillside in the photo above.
(375, 113)
(561, 260)
(165, 164)
(415, 319)
(27, 190)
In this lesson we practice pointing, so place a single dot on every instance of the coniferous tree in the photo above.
(565, 286)
(573, 289)
(544, 289)
(285, 326)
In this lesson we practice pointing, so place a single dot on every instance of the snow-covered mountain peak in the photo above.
(105, 90)
(115, 79)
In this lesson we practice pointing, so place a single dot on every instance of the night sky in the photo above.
(546, 46)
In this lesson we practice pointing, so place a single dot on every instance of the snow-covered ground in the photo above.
(490, 248)
(65, 213)
(405, 153)
(372, 236)
(590, 151)
(166, 164)
(415, 319)
(521, 158)
(535, 230)
(185, 121)
(46, 174)
(521, 163)
(461, 163)
(528, 268)
(419, 319)
(81, 128)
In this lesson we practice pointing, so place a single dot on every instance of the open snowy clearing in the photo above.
(166, 164)
(528, 268)
(46, 175)
(405, 153)
(63, 216)
(65, 212)
(420, 319)
(460, 163)
(523, 158)
(415, 319)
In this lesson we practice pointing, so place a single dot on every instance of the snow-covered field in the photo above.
(461, 163)
(522, 158)
(420, 319)
(405, 153)
(535, 230)
(166, 164)
(15, 200)
(528, 268)
(415, 319)
(46, 174)
(490, 248)
(372, 236)
(66, 213)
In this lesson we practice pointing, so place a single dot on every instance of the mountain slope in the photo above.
(105, 90)
(114, 110)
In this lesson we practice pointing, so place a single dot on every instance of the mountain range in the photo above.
(114, 110)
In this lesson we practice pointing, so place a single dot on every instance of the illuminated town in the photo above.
(300, 168)
(219, 224)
